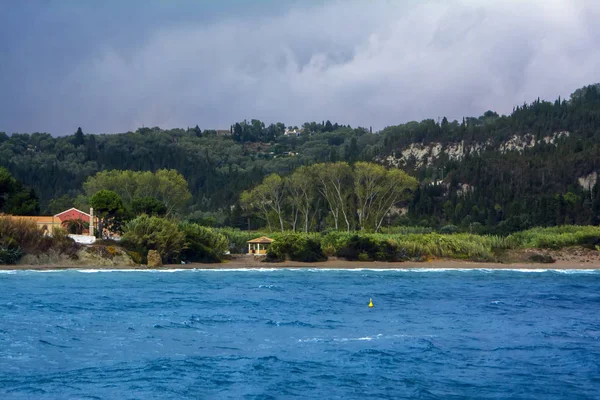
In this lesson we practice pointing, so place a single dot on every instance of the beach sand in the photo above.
(249, 262)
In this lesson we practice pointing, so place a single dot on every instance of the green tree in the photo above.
(301, 190)
(78, 138)
(7, 186)
(108, 206)
(60, 204)
(266, 197)
(148, 205)
(146, 233)
(334, 183)
(167, 186)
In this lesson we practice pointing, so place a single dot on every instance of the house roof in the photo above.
(71, 209)
(37, 219)
(261, 240)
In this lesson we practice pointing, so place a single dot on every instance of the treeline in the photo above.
(507, 190)
(330, 195)
(15, 198)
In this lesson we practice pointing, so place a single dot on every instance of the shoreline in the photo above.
(252, 264)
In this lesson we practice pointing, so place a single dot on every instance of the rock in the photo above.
(154, 259)
(541, 258)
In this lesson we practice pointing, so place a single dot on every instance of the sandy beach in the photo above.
(252, 263)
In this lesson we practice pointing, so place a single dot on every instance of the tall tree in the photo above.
(168, 186)
(78, 138)
(267, 197)
(301, 188)
(334, 182)
(108, 206)
(368, 179)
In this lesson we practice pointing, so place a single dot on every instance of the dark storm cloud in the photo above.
(364, 63)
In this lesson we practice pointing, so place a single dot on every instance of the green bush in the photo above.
(203, 244)
(406, 230)
(10, 255)
(19, 237)
(146, 233)
(448, 229)
(238, 239)
(296, 247)
(369, 248)
(557, 237)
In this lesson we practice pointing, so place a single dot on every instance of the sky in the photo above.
(116, 65)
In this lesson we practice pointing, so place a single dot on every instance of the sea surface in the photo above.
(279, 334)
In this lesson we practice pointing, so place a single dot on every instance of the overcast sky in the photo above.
(109, 67)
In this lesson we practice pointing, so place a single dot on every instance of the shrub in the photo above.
(10, 255)
(406, 230)
(363, 257)
(541, 258)
(369, 248)
(146, 233)
(203, 244)
(75, 226)
(557, 237)
(238, 239)
(19, 237)
(296, 247)
(136, 257)
(448, 229)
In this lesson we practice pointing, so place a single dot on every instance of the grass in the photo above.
(557, 237)
(412, 244)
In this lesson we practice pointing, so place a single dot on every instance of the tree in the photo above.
(172, 189)
(60, 204)
(108, 206)
(146, 233)
(148, 205)
(15, 198)
(166, 185)
(7, 186)
(22, 202)
(301, 188)
(78, 138)
(368, 178)
(334, 183)
(267, 197)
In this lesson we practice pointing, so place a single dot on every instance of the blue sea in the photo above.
(286, 334)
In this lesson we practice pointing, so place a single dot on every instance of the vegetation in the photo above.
(343, 196)
(15, 198)
(194, 194)
(146, 233)
(557, 237)
(296, 247)
(203, 244)
(19, 237)
(487, 187)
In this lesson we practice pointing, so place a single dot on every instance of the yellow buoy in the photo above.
(371, 303)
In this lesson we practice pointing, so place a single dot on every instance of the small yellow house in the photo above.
(46, 224)
(259, 246)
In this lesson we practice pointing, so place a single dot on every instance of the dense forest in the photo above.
(535, 167)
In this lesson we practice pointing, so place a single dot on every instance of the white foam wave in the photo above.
(364, 338)
(316, 270)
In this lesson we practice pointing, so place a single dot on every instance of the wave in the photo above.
(316, 270)
(369, 338)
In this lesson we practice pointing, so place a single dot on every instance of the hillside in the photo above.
(536, 166)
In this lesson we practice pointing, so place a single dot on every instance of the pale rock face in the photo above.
(154, 259)
(427, 154)
(398, 211)
(464, 189)
(588, 181)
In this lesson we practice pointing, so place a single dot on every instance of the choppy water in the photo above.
(300, 334)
